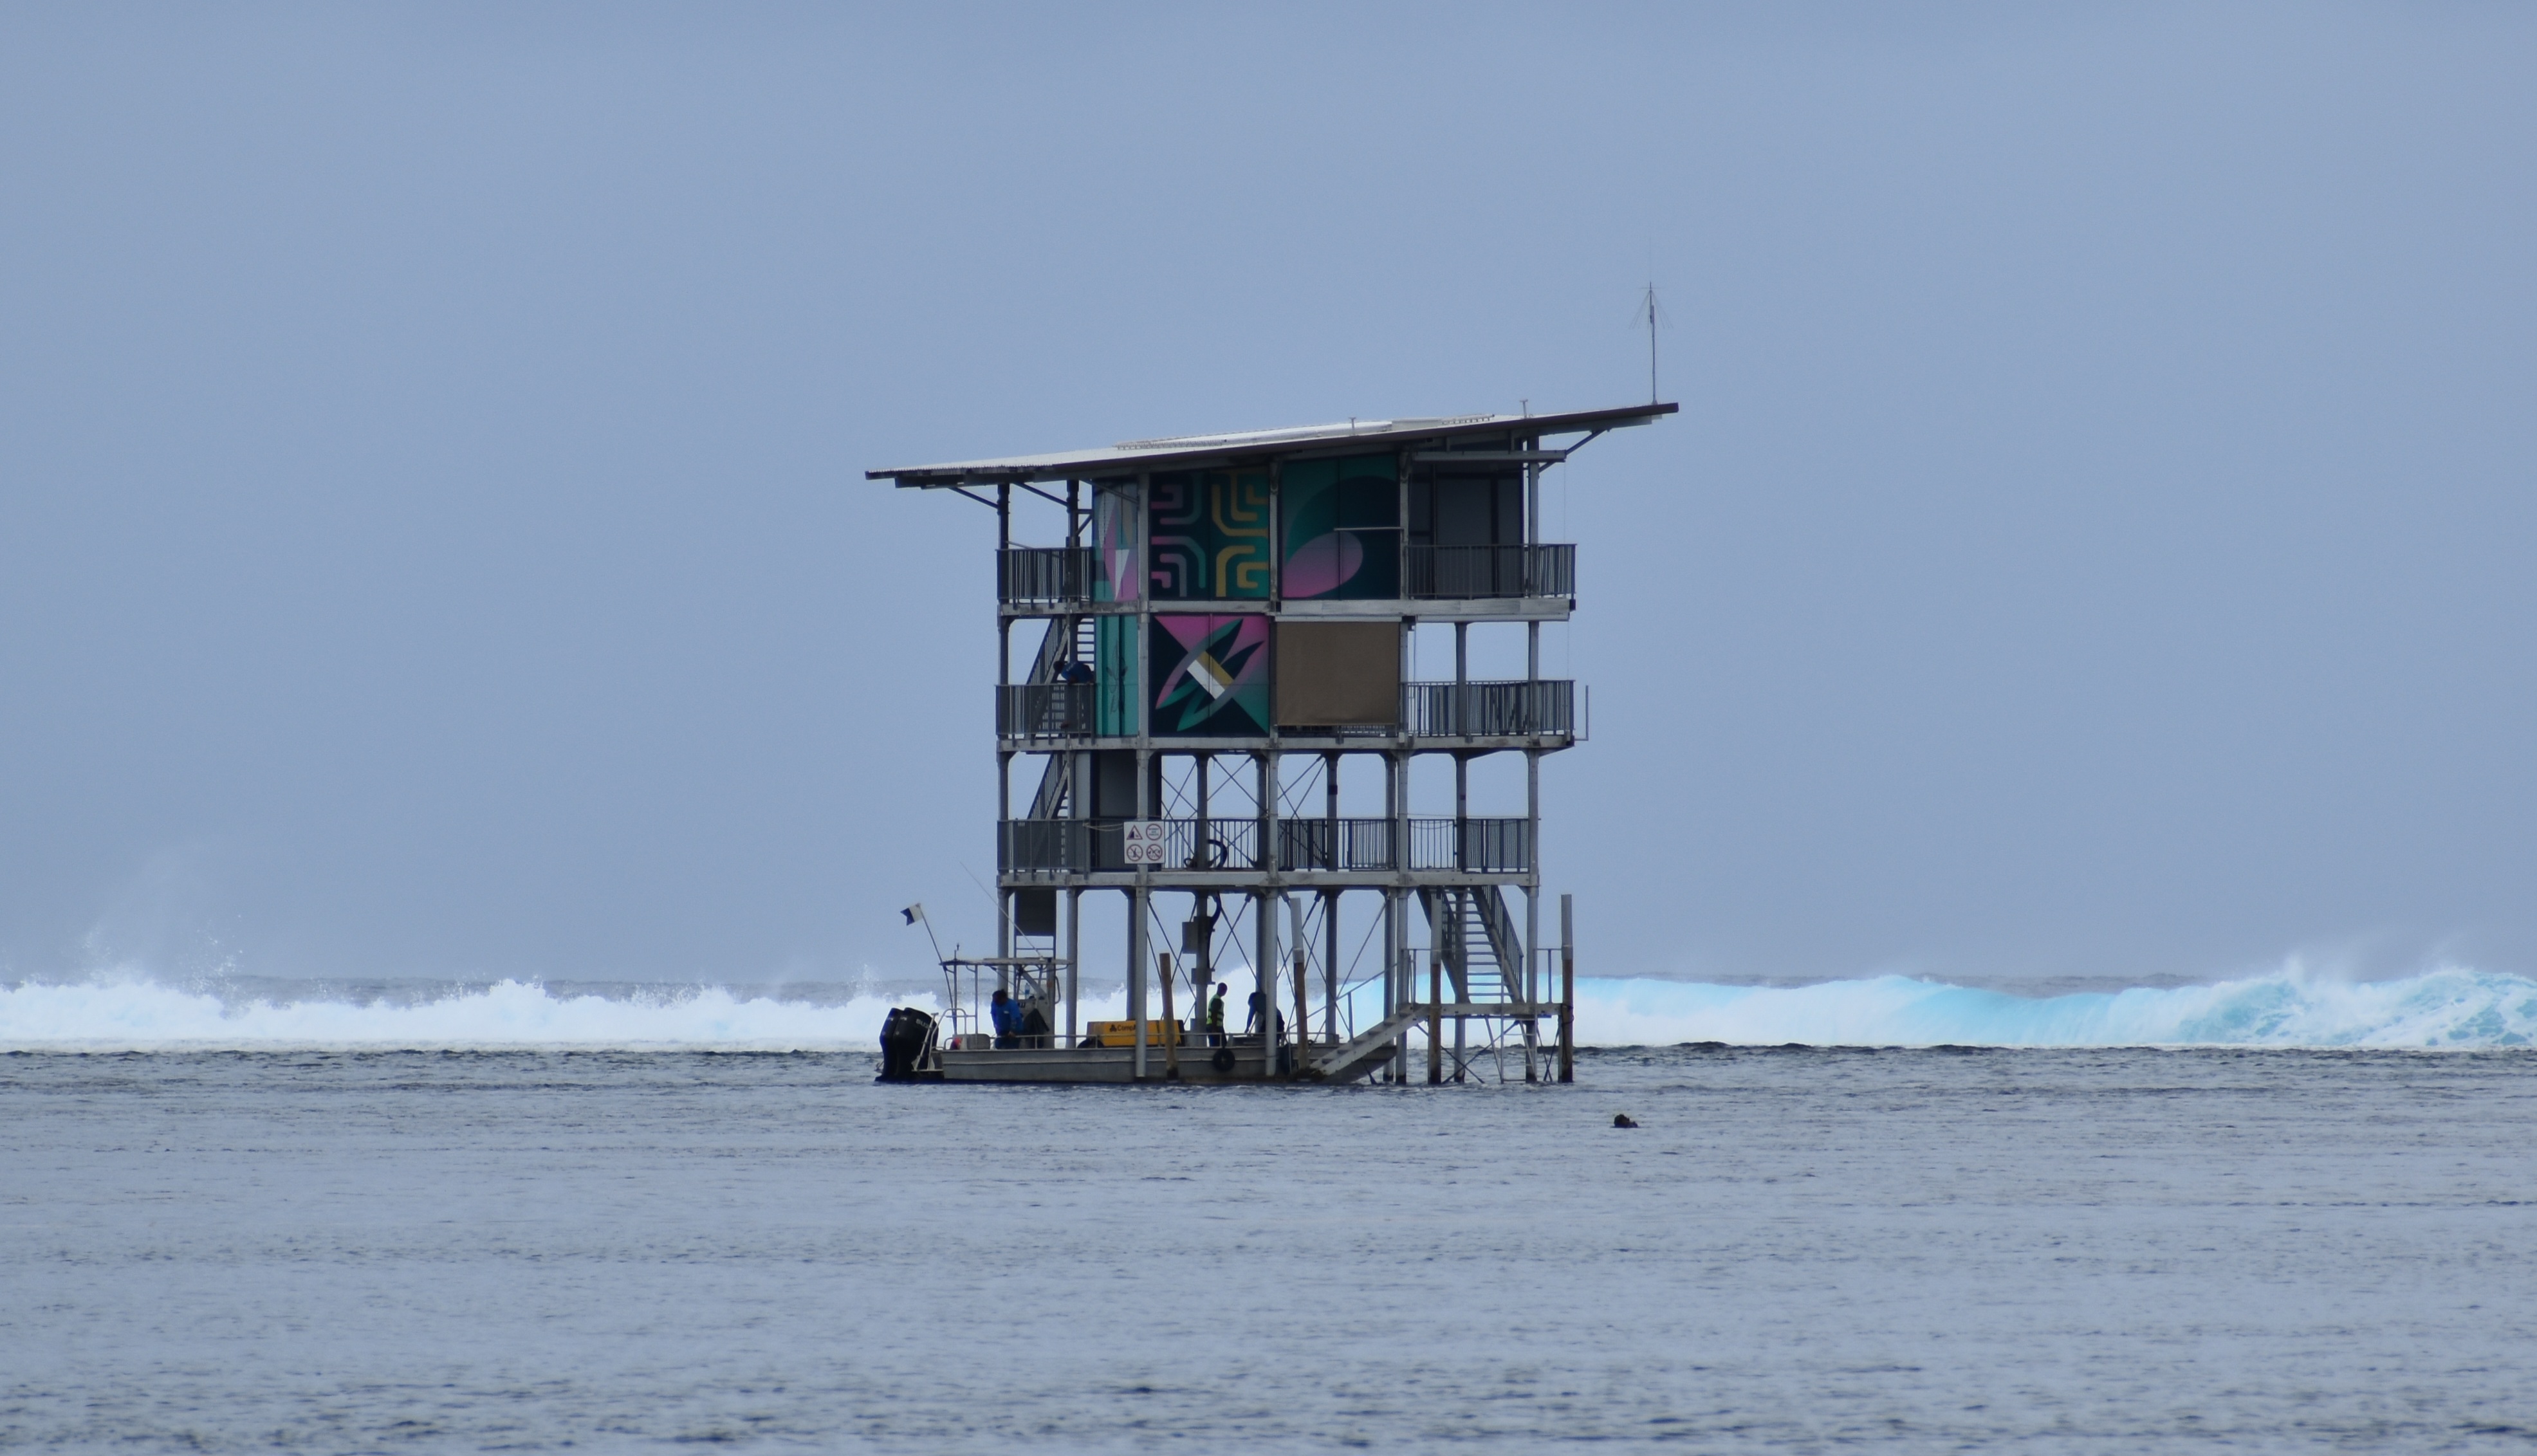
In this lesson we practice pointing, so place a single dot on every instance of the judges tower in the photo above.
(1224, 640)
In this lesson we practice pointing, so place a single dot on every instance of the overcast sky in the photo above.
(2100, 535)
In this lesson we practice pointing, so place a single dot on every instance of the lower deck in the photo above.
(1113, 1064)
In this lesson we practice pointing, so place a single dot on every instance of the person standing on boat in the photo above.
(1264, 1015)
(1007, 1017)
(1215, 1018)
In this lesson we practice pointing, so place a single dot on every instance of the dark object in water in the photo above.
(906, 1044)
(1622, 1120)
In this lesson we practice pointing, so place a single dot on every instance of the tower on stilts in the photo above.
(1249, 694)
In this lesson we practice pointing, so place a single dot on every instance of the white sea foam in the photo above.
(2447, 1008)
(2444, 1008)
(140, 1014)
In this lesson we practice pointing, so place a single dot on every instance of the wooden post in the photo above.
(1136, 908)
(1567, 993)
(1303, 1007)
(1435, 1018)
(1073, 961)
(1171, 1024)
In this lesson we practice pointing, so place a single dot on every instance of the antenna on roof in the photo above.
(1648, 314)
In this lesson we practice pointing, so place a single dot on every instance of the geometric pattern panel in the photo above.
(1210, 535)
(1208, 676)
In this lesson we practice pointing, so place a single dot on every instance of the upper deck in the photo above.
(1257, 591)
(1373, 519)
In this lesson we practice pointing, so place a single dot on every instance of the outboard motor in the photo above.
(906, 1044)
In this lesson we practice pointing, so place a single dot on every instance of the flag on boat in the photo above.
(914, 912)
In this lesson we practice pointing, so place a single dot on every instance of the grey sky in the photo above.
(2097, 538)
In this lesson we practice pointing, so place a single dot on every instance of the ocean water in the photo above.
(312, 1240)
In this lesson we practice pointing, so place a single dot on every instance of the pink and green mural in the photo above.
(1114, 674)
(1211, 535)
(1209, 677)
(1342, 529)
(1114, 540)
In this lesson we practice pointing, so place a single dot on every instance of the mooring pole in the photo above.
(1303, 1007)
(1435, 1018)
(1073, 960)
(1566, 992)
(1137, 982)
(1330, 902)
(1171, 1021)
(1330, 966)
(1264, 980)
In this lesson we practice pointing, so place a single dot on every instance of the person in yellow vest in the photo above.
(1215, 1016)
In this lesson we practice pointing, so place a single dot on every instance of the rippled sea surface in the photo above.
(2104, 1251)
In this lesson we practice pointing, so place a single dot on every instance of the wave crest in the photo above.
(2447, 1008)
(134, 1015)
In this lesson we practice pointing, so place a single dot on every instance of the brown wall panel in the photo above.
(1338, 674)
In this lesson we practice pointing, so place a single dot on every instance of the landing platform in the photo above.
(1112, 1065)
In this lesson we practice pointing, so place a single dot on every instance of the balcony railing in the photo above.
(1045, 711)
(1470, 572)
(1535, 708)
(1063, 575)
(1488, 846)
(1044, 576)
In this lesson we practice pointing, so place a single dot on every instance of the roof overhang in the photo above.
(1190, 451)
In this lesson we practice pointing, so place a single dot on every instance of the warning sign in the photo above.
(1144, 839)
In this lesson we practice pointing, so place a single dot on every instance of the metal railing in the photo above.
(1497, 846)
(1044, 576)
(1489, 846)
(1468, 572)
(1538, 707)
(1335, 843)
(1064, 575)
(1045, 711)
(1535, 708)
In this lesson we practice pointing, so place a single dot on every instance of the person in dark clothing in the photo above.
(1263, 1014)
(1215, 1018)
(1007, 1015)
(1071, 671)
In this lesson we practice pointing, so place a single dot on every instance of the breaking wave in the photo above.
(2447, 1008)
(135, 1015)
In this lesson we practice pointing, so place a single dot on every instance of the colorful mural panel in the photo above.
(1209, 677)
(1115, 577)
(1342, 529)
(1114, 674)
(1211, 535)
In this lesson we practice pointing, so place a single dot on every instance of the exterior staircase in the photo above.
(1350, 1060)
(1482, 956)
(1068, 637)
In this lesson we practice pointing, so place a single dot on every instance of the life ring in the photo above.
(1222, 1061)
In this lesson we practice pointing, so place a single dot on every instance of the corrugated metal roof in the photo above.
(1258, 444)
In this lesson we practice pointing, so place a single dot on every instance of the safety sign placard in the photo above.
(1144, 839)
